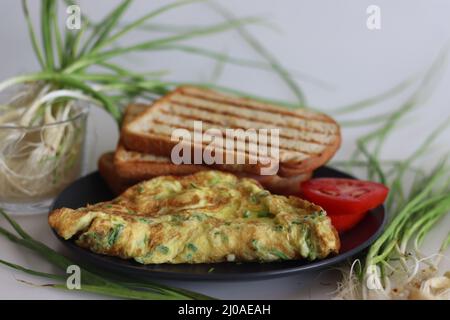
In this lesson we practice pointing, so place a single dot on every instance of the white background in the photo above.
(325, 39)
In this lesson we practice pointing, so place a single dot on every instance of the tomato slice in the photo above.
(346, 201)
(344, 222)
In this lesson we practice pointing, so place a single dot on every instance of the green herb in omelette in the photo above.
(192, 247)
(114, 234)
(278, 228)
(265, 214)
(193, 185)
(162, 249)
(279, 254)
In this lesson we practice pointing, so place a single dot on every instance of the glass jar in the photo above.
(38, 162)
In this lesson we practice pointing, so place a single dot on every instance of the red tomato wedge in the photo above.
(346, 201)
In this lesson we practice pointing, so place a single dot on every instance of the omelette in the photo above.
(206, 217)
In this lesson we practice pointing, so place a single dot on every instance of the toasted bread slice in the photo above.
(131, 166)
(141, 170)
(307, 139)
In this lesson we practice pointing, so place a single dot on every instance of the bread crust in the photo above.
(142, 169)
(116, 183)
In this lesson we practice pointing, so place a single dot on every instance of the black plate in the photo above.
(92, 189)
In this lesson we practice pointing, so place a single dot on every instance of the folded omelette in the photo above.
(210, 216)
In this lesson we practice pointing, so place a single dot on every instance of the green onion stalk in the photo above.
(81, 60)
(395, 266)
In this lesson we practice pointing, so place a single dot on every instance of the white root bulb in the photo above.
(417, 282)
(434, 288)
(437, 288)
(35, 156)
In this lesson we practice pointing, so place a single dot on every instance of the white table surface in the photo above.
(327, 39)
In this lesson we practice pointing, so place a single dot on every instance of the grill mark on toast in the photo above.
(178, 126)
(318, 148)
(332, 130)
(246, 103)
(286, 152)
(204, 118)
